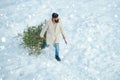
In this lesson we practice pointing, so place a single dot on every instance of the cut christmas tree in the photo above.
(31, 39)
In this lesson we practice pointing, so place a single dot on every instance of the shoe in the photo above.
(57, 58)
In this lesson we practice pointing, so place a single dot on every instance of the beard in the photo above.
(56, 21)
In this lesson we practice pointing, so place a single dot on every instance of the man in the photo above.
(53, 28)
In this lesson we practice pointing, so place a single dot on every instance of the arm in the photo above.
(44, 29)
(63, 33)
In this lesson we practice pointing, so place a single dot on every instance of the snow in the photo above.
(3, 39)
(93, 33)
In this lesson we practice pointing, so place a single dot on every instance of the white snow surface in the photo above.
(92, 29)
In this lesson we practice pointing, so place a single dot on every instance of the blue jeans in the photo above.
(56, 45)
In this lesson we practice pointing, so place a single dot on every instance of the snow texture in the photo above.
(93, 33)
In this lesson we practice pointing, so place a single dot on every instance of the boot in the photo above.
(57, 58)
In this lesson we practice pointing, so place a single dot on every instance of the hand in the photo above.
(65, 42)
(41, 37)
(64, 39)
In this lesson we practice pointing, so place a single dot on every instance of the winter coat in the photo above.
(53, 32)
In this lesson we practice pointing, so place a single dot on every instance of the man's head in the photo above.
(55, 17)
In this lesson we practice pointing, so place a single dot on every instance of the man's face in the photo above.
(56, 20)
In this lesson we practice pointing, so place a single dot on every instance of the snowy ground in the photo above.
(93, 33)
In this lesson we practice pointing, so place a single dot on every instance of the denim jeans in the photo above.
(56, 45)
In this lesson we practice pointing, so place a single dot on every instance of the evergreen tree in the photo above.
(31, 39)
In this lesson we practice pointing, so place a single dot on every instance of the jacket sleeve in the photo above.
(62, 30)
(44, 29)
